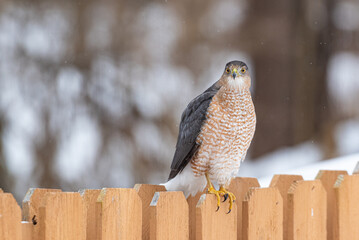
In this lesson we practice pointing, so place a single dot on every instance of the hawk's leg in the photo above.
(212, 190)
(221, 192)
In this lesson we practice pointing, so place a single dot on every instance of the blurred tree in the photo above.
(291, 55)
(6, 179)
(103, 84)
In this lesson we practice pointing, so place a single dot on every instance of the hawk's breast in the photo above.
(225, 136)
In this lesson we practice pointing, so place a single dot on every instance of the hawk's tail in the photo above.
(186, 182)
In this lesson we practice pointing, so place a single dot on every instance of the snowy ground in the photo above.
(308, 171)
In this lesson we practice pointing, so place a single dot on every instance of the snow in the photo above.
(309, 172)
(282, 160)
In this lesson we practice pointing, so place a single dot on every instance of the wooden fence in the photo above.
(290, 208)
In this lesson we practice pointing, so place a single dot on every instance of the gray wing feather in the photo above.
(192, 120)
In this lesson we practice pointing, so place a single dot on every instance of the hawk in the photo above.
(215, 132)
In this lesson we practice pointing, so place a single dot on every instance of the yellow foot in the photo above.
(229, 195)
(222, 192)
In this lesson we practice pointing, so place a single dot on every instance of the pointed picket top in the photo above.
(146, 193)
(307, 207)
(328, 179)
(10, 218)
(212, 224)
(120, 212)
(282, 183)
(62, 216)
(239, 187)
(262, 214)
(89, 197)
(356, 169)
(346, 207)
(1, 191)
(32, 201)
(31, 204)
(169, 216)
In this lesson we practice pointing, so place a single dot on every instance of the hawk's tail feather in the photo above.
(186, 182)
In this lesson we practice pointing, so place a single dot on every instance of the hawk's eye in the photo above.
(227, 70)
(243, 70)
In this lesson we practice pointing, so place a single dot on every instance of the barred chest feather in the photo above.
(225, 136)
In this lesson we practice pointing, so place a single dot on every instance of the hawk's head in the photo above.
(236, 76)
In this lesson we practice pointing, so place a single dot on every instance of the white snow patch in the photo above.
(282, 160)
(310, 171)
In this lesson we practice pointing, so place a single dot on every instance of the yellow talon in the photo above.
(215, 192)
(231, 197)
(221, 192)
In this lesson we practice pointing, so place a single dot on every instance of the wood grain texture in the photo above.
(62, 217)
(239, 187)
(307, 205)
(192, 203)
(120, 212)
(169, 216)
(283, 183)
(212, 224)
(262, 214)
(328, 179)
(27, 228)
(89, 197)
(346, 218)
(31, 204)
(146, 193)
(10, 218)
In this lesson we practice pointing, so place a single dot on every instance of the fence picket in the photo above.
(192, 203)
(290, 209)
(169, 216)
(307, 205)
(328, 179)
(27, 228)
(146, 193)
(1, 191)
(89, 197)
(283, 183)
(120, 212)
(62, 216)
(240, 186)
(10, 218)
(262, 214)
(30, 207)
(212, 224)
(346, 218)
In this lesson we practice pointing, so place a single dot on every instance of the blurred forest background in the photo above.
(91, 92)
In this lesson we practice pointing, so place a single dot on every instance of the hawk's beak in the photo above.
(234, 73)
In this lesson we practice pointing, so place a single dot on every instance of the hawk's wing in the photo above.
(192, 120)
